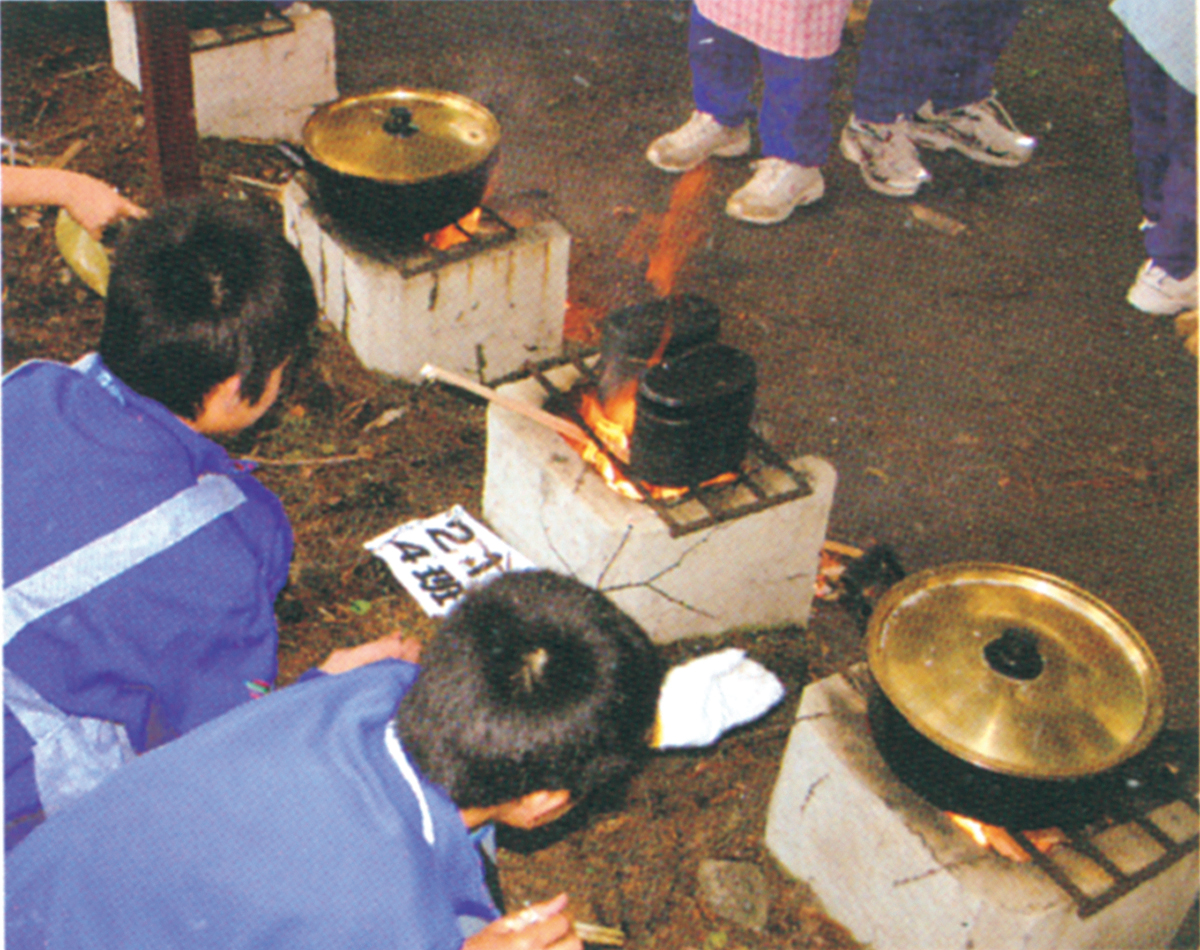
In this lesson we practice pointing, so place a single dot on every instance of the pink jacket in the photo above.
(807, 29)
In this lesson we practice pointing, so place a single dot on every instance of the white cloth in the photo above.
(707, 696)
(1166, 29)
(806, 29)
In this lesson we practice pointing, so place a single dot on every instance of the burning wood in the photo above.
(457, 233)
(1003, 843)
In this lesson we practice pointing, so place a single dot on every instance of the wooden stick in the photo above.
(68, 156)
(557, 423)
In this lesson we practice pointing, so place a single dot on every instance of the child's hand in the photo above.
(95, 205)
(537, 927)
(394, 646)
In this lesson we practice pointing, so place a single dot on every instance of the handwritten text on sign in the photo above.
(438, 559)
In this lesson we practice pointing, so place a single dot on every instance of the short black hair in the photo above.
(534, 682)
(202, 290)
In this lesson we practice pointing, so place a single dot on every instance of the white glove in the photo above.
(705, 697)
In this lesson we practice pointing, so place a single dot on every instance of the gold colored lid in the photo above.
(402, 136)
(1015, 670)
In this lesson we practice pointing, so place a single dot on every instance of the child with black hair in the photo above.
(141, 563)
(324, 816)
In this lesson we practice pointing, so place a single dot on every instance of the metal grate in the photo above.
(764, 479)
(1155, 811)
(408, 258)
(210, 37)
(1083, 857)
(493, 231)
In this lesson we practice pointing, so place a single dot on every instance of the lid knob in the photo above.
(1015, 654)
(399, 122)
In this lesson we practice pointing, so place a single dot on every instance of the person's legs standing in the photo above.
(894, 78)
(723, 68)
(795, 130)
(1163, 140)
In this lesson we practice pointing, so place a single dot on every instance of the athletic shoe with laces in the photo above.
(694, 141)
(885, 155)
(1156, 292)
(982, 131)
(776, 190)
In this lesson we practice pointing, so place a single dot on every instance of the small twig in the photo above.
(257, 183)
(68, 154)
(41, 143)
(328, 460)
(81, 70)
(603, 936)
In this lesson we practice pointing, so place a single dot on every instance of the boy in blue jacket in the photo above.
(141, 563)
(339, 812)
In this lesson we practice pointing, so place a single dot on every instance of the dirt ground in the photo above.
(986, 395)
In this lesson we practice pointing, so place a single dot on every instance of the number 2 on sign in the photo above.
(455, 532)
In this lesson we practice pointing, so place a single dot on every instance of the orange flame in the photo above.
(457, 233)
(1000, 841)
(685, 227)
(668, 240)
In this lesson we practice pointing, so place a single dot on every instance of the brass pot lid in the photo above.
(402, 136)
(1015, 670)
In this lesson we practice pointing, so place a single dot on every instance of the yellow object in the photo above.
(85, 255)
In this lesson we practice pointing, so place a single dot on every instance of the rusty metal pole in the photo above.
(165, 65)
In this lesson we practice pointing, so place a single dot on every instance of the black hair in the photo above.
(203, 290)
(534, 682)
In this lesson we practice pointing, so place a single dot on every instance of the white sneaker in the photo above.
(1156, 292)
(776, 190)
(885, 155)
(983, 131)
(694, 141)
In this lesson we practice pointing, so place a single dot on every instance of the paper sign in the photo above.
(439, 559)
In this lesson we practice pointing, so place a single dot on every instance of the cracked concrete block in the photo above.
(482, 315)
(757, 570)
(897, 873)
(735, 890)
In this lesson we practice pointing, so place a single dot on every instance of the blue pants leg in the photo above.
(939, 50)
(1163, 139)
(723, 69)
(793, 122)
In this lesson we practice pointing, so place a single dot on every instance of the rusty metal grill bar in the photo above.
(210, 37)
(1122, 883)
(429, 258)
(712, 499)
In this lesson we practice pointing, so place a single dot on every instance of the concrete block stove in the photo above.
(902, 876)
(747, 557)
(482, 308)
(259, 82)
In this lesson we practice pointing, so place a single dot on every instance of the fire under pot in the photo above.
(900, 872)
(481, 298)
(708, 559)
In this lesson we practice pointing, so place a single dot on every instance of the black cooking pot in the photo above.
(1007, 694)
(693, 416)
(401, 163)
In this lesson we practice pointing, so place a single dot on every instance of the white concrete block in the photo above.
(900, 875)
(483, 315)
(264, 88)
(757, 570)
